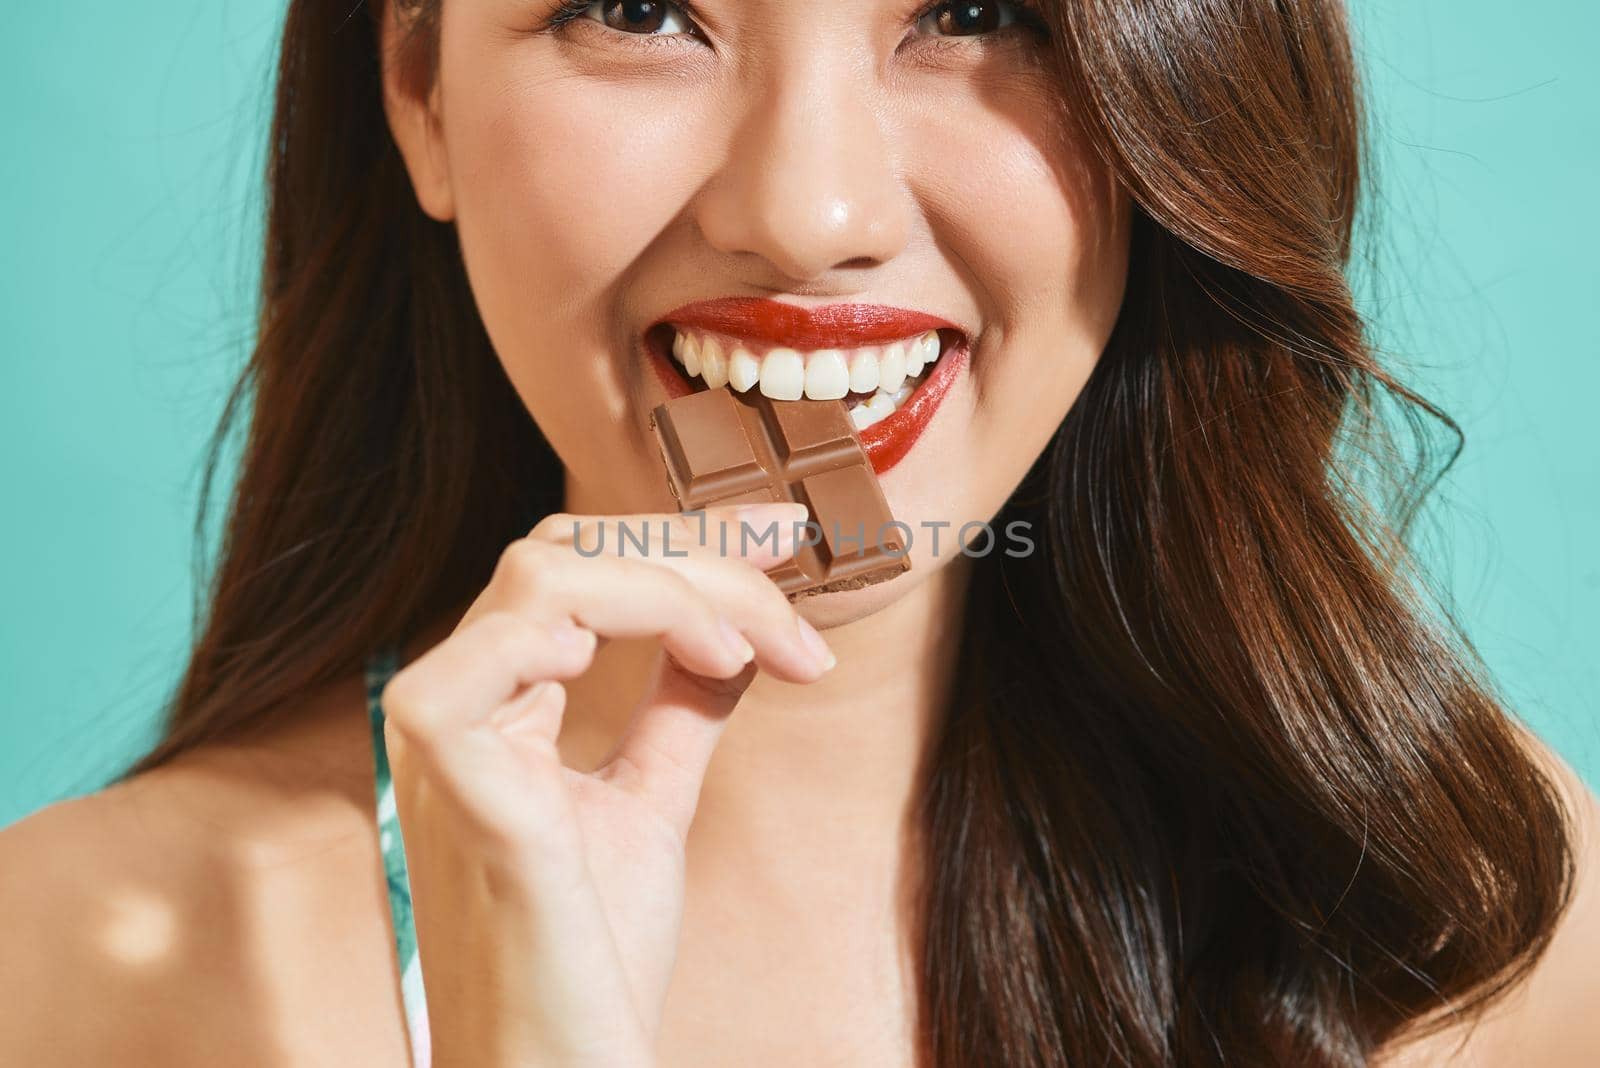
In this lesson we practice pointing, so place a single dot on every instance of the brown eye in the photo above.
(965, 18)
(639, 16)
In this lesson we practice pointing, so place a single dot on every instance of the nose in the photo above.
(809, 182)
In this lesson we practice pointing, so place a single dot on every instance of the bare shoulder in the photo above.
(96, 893)
(1550, 1018)
(168, 918)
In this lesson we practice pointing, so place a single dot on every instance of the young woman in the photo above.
(1187, 770)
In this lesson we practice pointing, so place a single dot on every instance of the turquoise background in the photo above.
(129, 224)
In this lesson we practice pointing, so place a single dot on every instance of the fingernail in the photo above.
(765, 520)
(772, 512)
(736, 642)
(571, 636)
(815, 645)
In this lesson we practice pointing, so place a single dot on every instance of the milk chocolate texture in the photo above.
(723, 448)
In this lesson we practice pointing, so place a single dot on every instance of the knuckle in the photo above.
(689, 532)
(680, 587)
(527, 565)
(396, 697)
(689, 597)
(506, 633)
(554, 526)
(506, 638)
(591, 537)
(408, 710)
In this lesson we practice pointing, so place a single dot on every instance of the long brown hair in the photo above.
(1216, 783)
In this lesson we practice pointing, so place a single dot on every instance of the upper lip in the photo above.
(828, 326)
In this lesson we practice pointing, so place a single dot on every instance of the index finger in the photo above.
(761, 534)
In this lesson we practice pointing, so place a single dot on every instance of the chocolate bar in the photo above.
(727, 448)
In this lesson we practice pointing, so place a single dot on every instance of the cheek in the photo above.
(553, 211)
(544, 186)
(1012, 191)
(1040, 229)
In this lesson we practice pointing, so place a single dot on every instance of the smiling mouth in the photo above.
(875, 381)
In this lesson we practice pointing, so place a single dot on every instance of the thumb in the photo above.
(664, 754)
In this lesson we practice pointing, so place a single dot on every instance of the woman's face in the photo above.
(608, 169)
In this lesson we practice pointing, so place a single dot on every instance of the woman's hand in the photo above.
(548, 901)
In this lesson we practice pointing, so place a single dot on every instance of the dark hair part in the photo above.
(1215, 784)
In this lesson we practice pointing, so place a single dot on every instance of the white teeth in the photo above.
(892, 367)
(744, 370)
(828, 374)
(783, 375)
(921, 352)
(827, 378)
(713, 365)
(881, 406)
(864, 370)
(686, 350)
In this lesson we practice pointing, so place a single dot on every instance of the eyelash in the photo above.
(572, 10)
(1028, 15)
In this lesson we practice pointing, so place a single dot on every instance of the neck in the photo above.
(829, 770)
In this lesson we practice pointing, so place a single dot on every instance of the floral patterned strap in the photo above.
(380, 666)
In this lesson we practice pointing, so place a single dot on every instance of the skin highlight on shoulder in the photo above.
(173, 903)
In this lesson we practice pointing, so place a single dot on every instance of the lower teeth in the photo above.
(867, 409)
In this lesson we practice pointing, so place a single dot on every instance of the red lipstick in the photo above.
(833, 326)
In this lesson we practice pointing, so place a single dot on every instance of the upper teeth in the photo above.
(789, 374)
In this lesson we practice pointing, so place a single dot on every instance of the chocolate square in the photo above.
(722, 447)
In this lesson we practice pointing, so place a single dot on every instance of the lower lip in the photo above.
(889, 439)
